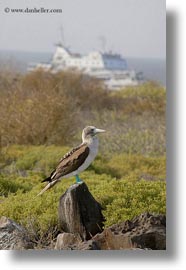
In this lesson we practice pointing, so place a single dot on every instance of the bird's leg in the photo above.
(78, 180)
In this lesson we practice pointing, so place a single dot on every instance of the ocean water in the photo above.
(153, 69)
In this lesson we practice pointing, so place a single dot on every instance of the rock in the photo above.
(81, 220)
(69, 241)
(79, 212)
(146, 231)
(88, 245)
(13, 236)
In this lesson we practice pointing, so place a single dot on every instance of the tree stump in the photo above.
(79, 213)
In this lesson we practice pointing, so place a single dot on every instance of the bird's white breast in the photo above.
(93, 150)
(93, 147)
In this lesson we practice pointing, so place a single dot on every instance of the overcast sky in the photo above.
(132, 27)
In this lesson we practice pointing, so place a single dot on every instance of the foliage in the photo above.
(41, 118)
(125, 185)
(148, 89)
(43, 159)
(121, 199)
(44, 108)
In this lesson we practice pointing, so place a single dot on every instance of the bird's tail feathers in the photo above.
(50, 184)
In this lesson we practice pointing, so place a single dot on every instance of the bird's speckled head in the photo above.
(89, 132)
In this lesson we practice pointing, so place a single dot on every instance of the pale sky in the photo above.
(134, 28)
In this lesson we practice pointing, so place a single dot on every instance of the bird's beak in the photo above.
(97, 130)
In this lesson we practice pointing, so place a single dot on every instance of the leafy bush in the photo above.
(142, 167)
(134, 198)
(28, 159)
(43, 159)
(121, 199)
(13, 183)
(125, 185)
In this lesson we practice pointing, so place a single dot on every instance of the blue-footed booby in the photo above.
(76, 160)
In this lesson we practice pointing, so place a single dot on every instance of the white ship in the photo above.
(110, 68)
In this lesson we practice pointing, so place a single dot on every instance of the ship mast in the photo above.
(62, 35)
(103, 42)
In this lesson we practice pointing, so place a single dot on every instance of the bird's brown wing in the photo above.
(71, 161)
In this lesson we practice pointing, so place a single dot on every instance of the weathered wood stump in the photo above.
(79, 212)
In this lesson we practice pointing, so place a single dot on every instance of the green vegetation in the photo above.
(41, 118)
(125, 185)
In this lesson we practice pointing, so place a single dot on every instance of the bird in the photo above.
(76, 160)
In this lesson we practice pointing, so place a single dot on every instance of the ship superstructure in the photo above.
(109, 67)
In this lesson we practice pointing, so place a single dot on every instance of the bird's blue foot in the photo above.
(78, 180)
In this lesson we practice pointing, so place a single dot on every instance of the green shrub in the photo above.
(121, 199)
(125, 165)
(134, 198)
(27, 160)
(134, 167)
(13, 183)
(22, 158)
